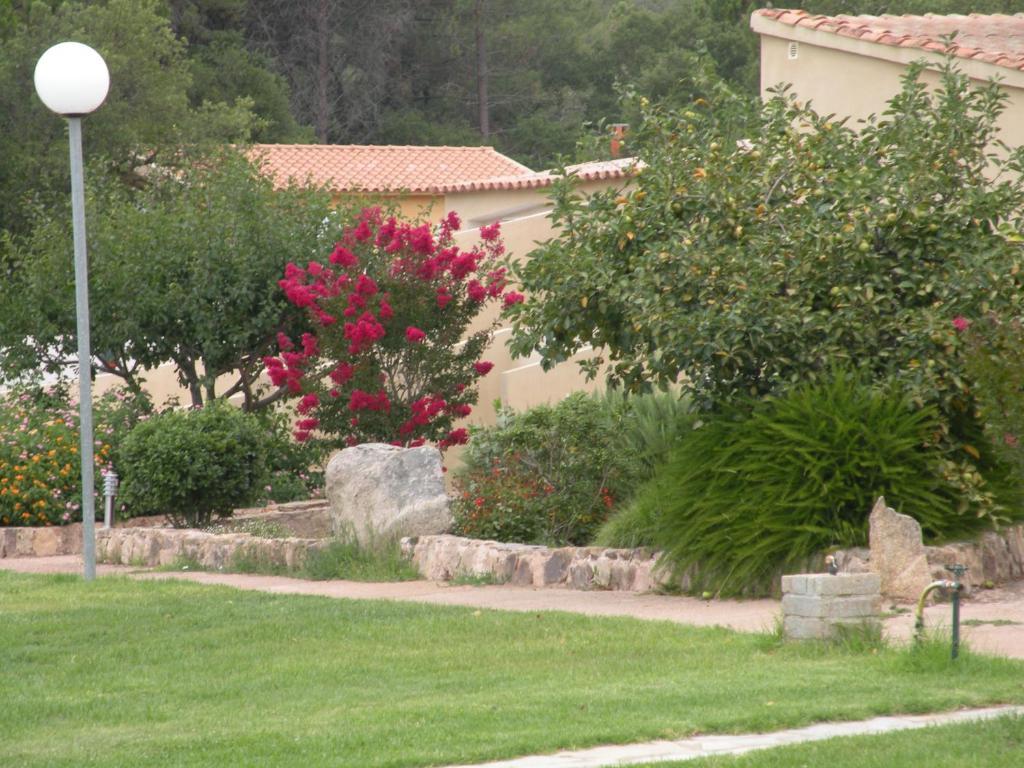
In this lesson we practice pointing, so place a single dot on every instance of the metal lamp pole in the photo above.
(72, 80)
(84, 354)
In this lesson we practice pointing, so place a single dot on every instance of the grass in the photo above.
(123, 673)
(264, 529)
(475, 580)
(991, 744)
(345, 559)
(340, 559)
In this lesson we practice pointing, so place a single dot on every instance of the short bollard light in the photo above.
(109, 492)
(955, 587)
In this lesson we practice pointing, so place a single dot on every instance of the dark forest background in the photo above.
(526, 76)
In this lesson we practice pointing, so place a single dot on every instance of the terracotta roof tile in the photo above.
(370, 168)
(594, 171)
(996, 38)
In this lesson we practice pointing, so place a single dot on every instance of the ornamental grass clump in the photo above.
(752, 493)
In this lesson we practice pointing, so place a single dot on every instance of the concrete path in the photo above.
(993, 622)
(707, 746)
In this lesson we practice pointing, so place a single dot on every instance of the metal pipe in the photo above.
(919, 615)
(109, 492)
(956, 586)
(84, 354)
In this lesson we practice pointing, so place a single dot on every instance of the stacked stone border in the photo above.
(819, 606)
(444, 557)
(997, 557)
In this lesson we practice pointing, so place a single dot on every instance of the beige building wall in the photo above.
(853, 78)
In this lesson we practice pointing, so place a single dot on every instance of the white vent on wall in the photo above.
(794, 51)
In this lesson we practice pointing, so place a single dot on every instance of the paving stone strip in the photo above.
(737, 744)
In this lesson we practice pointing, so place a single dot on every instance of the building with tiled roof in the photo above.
(413, 174)
(851, 65)
(514, 196)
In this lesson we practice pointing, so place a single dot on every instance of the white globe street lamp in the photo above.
(72, 80)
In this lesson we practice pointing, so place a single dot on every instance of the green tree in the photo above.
(763, 244)
(184, 271)
(146, 118)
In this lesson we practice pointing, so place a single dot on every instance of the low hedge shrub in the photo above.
(552, 474)
(194, 465)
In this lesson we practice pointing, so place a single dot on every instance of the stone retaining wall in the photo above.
(165, 546)
(995, 558)
(41, 542)
(442, 558)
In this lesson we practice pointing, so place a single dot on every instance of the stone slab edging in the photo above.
(152, 547)
(736, 744)
(445, 557)
(996, 557)
(305, 519)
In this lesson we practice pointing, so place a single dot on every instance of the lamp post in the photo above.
(72, 80)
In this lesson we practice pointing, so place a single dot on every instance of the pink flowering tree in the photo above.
(391, 358)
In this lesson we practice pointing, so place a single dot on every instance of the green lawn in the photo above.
(993, 744)
(130, 673)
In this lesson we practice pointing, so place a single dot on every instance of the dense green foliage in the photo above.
(193, 675)
(193, 465)
(183, 271)
(763, 244)
(994, 353)
(552, 474)
(145, 119)
(754, 492)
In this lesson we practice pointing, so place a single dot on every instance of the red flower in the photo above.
(366, 286)
(414, 335)
(284, 342)
(342, 256)
(476, 291)
(513, 297)
(492, 232)
(309, 345)
(961, 323)
(342, 373)
(483, 367)
(308, 403)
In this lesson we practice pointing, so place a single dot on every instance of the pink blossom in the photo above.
(513, 297)
(961, 323)
(284, 342)
(343, 257)
(308, 403)
(483, 367)
(414, 335)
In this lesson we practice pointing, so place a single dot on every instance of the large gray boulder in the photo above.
(897, 553)
(377, 491)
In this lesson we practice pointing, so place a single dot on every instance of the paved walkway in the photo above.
(992, 623)
(706, 746)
